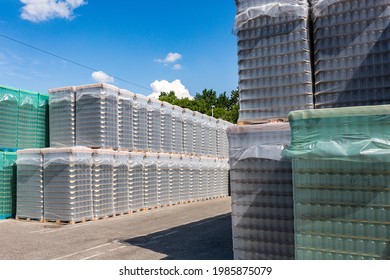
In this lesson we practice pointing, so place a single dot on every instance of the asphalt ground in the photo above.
(193, 231)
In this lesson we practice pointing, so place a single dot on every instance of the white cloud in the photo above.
(43, 10)
(101, 77)
(165, 86)
(170, 59)
(177, 67)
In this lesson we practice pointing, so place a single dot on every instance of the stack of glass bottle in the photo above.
(274, 65)
(67, 184)
(97, 116)
(125, 119)
(24, 124)
(341, 159)
(103, 182)
(351, 52)
(29, 195)
(121, 182)
(62, 115)
(7, 184)
(262, 192)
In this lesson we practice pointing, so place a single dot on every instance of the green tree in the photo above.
(208, 102)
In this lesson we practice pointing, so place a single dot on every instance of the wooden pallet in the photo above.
(41, 220)
(62, 222)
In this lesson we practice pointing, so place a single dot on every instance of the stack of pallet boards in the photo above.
(334, 201)
(115, 152)
(24, 124)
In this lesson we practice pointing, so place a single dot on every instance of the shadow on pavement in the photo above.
(209, 239)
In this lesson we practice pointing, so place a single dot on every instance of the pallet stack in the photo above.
(24, 125)
(114, 152)
(339, 156)
(274, 78)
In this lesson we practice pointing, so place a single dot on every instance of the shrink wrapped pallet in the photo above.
(185, 169)
(275, 75)
(177, 129)
(103, 182)
(164, 189)
(140, 115)
(261, 186)
(125, 119)
(62, 117)
(154, 125)
(27, 119)
(198, 136)
(213, 137)
(42, 132)
(67, 177)
(136, 183)
(7, 184)
(97, 116)
(206, 135)
(149, 176)
(174, 178)
(9, 102)
(189, 132)
(351, 52)
(121, 182)
(341, 192)
(29, 193)
(166, 128)
(195, 178)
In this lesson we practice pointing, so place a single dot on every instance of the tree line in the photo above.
(208, 102)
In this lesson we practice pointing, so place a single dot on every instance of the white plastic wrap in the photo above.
(9, 99)
(189, 132)
(103, 182)
(136, 185)
(185, 169)
(149, 176)
(164, 190)
(140, 126)
(29, 191)
(177, 129)
(213, 137)
(174, 178)
(166, 127)
(154, 125)
(27, 119)
(351, 52)
(275, 74)
(198, 136)
(261, 187)
(195, 178)
(97, 116)
(125, 119)
(271, 9)
(206, 135)
(67, 177)
(121, 182)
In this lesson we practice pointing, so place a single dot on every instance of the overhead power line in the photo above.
(68, 60)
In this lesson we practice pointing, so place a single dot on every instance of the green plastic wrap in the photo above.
(349, 134)
(9, 98)
(7, 184)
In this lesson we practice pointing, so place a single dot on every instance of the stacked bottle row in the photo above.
(274, 62)
(262, 192)
(104, 116)
(77, 183)
(7, 184)
(24, 119)
(341, 182)
(351, 52)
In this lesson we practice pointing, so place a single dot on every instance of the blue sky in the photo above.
(138, 41)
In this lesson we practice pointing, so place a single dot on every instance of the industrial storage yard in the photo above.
(94, 171)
